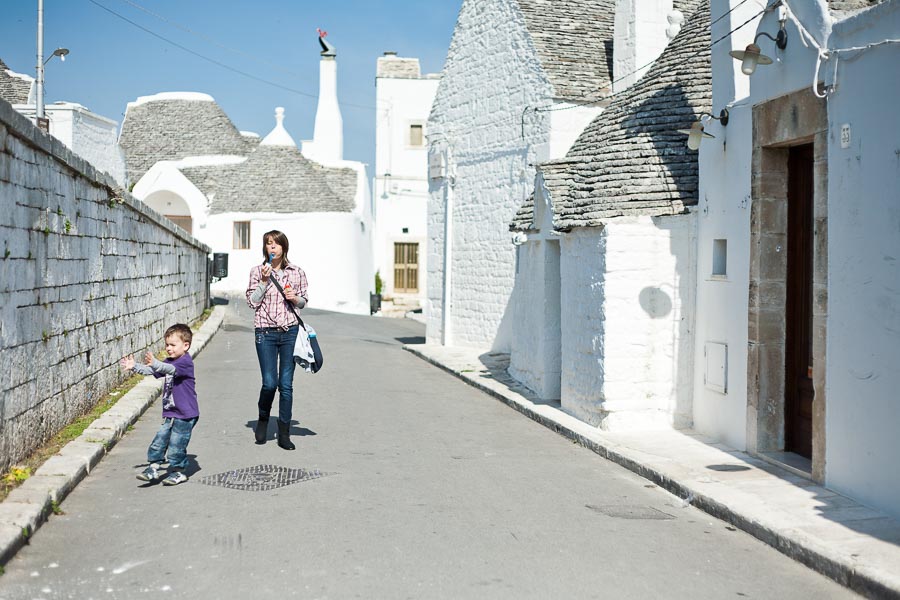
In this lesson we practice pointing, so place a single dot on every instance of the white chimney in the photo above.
(328, 135)
(643, 29)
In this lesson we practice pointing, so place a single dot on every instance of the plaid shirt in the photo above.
(273, 310)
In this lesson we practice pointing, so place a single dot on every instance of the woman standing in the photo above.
(276, 328)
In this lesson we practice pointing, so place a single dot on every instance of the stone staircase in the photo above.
(397, 307)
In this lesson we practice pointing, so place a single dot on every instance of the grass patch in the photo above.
(9, 481)
(13, 478)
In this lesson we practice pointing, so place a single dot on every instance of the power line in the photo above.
(210, 40)
(219, 63)
(689, 57)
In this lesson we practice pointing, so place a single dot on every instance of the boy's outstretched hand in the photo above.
(148, 358)
(127, 362)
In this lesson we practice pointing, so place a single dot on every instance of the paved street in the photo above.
(412, 485)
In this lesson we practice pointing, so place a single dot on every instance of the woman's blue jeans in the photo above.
(275, 350)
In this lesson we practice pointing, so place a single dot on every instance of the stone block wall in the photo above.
(491, 75)
(627, 328)
(87, 275)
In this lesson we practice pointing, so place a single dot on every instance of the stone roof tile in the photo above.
(14, 87)
(844, 8)
(275, 179)
(172, 129)
(573, 39)
(631, 160)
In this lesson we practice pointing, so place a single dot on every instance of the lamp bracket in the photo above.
(722, 118)
(780, 39)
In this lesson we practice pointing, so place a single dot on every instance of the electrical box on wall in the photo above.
(716, 374)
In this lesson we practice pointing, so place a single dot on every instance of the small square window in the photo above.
(241, 235)
(416, 135)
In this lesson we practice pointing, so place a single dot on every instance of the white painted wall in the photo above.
(640, 37)
(91, 136)
(401, 173)
(863, 239)
(327, 145)
(491, 75)
(567, 121)
(627, 322)
(724, 213)
(536, 349)
(333, 248)
(862, 375)
(327, 246)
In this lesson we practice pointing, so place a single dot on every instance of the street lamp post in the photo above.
(39, 116)
(39, 95)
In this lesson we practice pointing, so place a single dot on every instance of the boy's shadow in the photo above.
(272, 431)
(192, 467)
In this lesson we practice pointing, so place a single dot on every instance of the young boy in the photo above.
(179, 399)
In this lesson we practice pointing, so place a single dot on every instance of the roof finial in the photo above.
(279, 135)
(327, 48)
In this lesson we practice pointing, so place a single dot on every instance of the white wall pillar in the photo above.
(639, 38)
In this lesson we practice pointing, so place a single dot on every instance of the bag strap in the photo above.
(290, 304)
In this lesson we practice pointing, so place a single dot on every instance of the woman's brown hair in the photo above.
(280, 239)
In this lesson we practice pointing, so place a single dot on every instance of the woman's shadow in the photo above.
(273, 428)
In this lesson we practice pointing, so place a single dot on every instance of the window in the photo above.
(416, 137)
(720, 258)
(184, 222)
(241, 235)
(406, 268)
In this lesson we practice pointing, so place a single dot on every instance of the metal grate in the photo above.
(631, 512)
(260, 478)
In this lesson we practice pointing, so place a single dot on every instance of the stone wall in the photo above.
(87, 275)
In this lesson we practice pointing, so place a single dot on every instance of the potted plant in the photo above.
(375, 299)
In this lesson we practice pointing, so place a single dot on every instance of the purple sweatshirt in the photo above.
(179, 398)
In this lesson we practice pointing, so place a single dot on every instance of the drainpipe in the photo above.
(446, 338)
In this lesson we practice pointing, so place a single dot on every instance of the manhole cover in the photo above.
(260, 478)
(631, 512)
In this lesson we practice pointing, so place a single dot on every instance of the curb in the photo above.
(28, 506)
(870, 583)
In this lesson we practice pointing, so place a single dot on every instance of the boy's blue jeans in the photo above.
(172, 439)
(275, 351)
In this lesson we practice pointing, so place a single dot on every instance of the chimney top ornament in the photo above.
(327, 48)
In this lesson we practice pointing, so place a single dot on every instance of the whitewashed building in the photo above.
(511, 66)
(798, 301)
(228, 188)
(403, 99)
(89, 135)
(604, 300)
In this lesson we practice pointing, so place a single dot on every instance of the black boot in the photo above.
(262, 427)
(284, 436)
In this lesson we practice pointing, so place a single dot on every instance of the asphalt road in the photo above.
(407, 484)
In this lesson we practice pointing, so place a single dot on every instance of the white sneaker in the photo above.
(151, 473)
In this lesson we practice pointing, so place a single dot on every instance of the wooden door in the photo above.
(406, 268)
(799, 391)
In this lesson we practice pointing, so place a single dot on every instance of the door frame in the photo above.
(790, 120)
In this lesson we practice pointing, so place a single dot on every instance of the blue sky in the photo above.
(113, 62)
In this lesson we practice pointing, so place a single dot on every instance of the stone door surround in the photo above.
(790, 120)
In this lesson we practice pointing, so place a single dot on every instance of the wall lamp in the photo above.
(696, 134)
(752, 55)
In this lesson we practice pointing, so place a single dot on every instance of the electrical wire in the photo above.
(219, 63)
(687, 58)
(208, 39)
